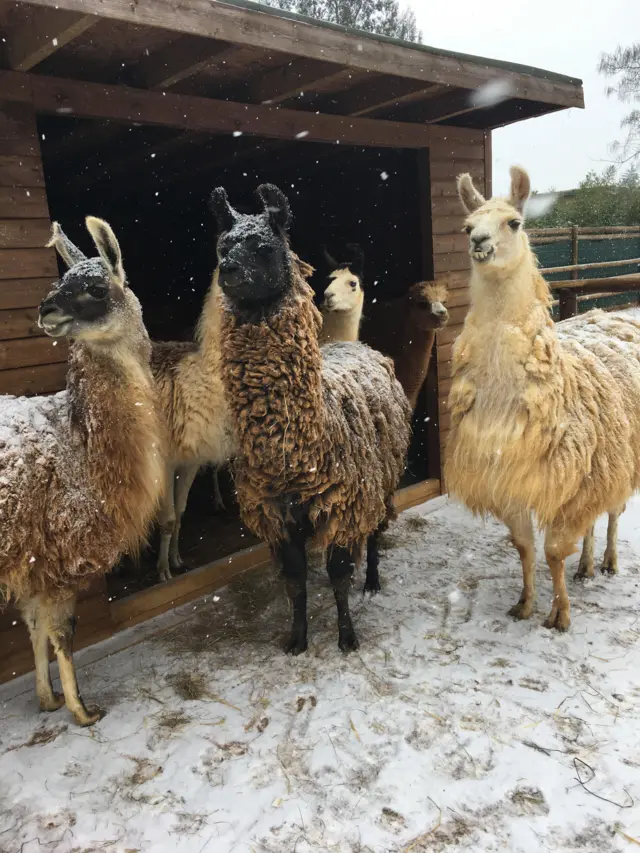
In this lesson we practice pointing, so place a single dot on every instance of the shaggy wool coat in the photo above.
(328, 432)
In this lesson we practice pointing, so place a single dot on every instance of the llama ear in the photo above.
(357, 259)
(108, 248)
(520, 187)
(331, 261)
(219, 205)
(469, 195)
(276, 205)
(67, 250)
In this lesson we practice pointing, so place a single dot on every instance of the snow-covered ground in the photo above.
(453, 728)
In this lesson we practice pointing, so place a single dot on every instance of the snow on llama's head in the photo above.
(495, 227)
(254, 261)
(344, 290)
(91, 302)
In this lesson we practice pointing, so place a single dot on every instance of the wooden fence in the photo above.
(575, 291)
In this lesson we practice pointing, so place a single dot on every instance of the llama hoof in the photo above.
(348, 642)
(584, 573)
(609, 569)
(558, 619)
(88, 716)
(179, 568)
(373, 588)
(52, 703)
(296, 646)
(521, 610)
(164, 574)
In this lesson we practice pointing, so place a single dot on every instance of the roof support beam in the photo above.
(380, 93)
(292, 79)
(182, 59)
(140, 106)
(42, 33)
(236, 23)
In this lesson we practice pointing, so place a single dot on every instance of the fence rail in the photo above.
(575, 291)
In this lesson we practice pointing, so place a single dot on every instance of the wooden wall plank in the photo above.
(28, 352)
(42, 379)
(23, 203)
(23, 293)
(28, 263)
(24, 233)
(452, 262)
(19, 171)
(19, 323)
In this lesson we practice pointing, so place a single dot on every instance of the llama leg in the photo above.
(183, 480)
(558, 546)
(293, 556)
(372, 579)
(340, 568)
(610, 562)
(166, 523)
(218, 502)
(585, 567)
(521, 528)
(61, 627)
(37, 626)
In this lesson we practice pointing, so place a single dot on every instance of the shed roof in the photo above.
(247, 56)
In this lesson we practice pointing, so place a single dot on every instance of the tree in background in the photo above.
(384, 17)
(624, 65)
(599, 200)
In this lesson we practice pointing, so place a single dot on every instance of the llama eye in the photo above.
(353, 284)
(98, 291)
(467, 229)
(514, 224)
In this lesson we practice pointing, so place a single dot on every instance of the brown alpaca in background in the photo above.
(405, 329)
(322, 435)
(80, 471)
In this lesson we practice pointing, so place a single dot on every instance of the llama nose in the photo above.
(229, 267)
(479, 239)
(49, 305)
(440, 311)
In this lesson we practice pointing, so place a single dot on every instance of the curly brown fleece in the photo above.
(328, 432)
(81, 471)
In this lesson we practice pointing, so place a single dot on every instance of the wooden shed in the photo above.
(135, 109)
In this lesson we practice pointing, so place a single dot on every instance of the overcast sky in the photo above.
(565, 36)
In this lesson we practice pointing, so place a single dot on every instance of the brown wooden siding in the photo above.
(30, 363)
(451, 260)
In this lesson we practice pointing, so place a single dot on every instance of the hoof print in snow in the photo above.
(392, 819)
(528, 801)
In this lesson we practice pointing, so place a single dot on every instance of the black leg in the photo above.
(372, 579)
(293, 557)
(340, 569)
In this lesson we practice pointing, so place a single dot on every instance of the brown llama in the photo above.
(322, 434)
(405, 329)
(80, 471)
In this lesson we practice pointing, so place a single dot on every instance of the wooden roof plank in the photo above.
(140, 106)
(42, 33)
(181, 59)
(291, 79)
(264, 28)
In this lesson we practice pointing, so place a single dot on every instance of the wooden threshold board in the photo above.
(162, 597)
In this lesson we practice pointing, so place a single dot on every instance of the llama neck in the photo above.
(341, 325)
(273, 383)
(412, 365)
(209, 326)
(515, 295)
(114, 417)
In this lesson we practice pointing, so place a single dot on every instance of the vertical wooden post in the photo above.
(429, 403)
(569, 298)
